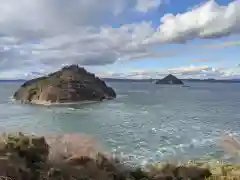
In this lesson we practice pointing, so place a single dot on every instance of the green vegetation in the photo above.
(25, 157)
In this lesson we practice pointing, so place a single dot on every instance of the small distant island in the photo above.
(169, 79)
(68, 85)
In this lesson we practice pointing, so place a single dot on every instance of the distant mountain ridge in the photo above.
(144, 80)
(186, 80)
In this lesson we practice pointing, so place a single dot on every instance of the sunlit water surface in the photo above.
(146, 122)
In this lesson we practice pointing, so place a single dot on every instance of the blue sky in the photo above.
(121, 38)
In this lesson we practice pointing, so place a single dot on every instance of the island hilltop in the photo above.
(170, 79)
(68, 85)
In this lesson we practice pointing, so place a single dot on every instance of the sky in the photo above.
(121, 38)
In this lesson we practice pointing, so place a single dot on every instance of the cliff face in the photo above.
(70, 84)
(170, 79)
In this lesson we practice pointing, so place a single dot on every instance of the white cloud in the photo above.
(51, 33)
(146, 5)
(207, 21)
(86, 46)
(222, 45)
(42, 17)
(197, 72)
(189, 69)
(201, 72)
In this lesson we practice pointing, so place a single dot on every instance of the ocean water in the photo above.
(146, 122)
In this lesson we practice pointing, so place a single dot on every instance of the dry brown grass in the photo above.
(63, 146)
(230, 145)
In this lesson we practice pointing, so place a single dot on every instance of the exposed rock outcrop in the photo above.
(68, 85)
(170, 79)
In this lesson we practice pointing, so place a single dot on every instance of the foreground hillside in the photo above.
(61, 158)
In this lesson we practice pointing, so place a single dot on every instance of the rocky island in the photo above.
(71, 84)
(170, 79)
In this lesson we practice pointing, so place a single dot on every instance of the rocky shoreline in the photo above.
(73, 157)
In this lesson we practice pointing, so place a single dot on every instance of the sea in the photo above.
(146, 123)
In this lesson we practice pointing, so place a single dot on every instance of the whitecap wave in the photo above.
(122, 96)
(138, 91)
(48, 103)
(11, 99)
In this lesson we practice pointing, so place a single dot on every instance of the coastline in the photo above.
(47, 103)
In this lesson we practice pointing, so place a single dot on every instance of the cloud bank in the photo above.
(47, 34)
(201, 72)
(207, 21)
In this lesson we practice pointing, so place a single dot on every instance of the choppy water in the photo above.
(147, 121)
